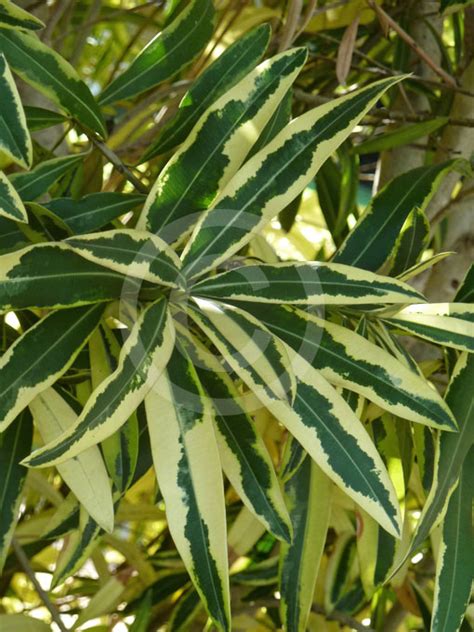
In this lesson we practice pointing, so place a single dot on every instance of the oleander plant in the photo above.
(227, 401)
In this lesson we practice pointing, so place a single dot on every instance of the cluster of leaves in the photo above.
(157, 334)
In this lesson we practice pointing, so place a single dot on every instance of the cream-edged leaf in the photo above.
(11, 205)
(143, 357)
(15, 139)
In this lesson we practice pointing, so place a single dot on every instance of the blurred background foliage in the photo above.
(134, 580)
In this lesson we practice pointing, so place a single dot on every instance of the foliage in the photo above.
(198, 404)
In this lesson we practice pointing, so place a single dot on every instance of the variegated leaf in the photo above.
(76, 549)
(131, 252)
(51, 74)
(166, 54)
(41, 118)
(144, 355)
(85, 475)
(305, 284)
(53, 275)
(222, 75)
(410, 243)
(11, 205)
(270, 180)
(188, 470)
(455, 563)
(465, 293)
(15, 140)
(370, 242)
(253, 352)
(34, 183)
(337, 441)
(93, 211)
(244, 456)
(451, 452)
(217, 146)
(120, 450)
(451, 325)
(13, 16)
(347, 359)
(309, 498)
(41, 355)
(15, 443)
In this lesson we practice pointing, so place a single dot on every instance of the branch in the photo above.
(341, 617)
(383, 15)
(118, 164)
(25, 564)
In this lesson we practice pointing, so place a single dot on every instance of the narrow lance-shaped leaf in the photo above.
(41, 178)
(465, 293)
(411, 242)
(451, 325)
(451, 452)
(455, 556)
(167, 53)
(370, 242)
(85, 475)
(94, 210)
(347, 359)
(51, 74)
(120, 450)
(255, 354)
(41, 355)
(244, 456)
(53, 275)
(305, 284)
(309, 497)
(15, 443)
(217, 146)
(270, 180)
(188, 470)
(11, 205)
(15, 140)
(336, 440)
(13, 16)
(144, 355)
(233, 64)
(401, 136)
(131, 252)
(41, 118)
(76, 549)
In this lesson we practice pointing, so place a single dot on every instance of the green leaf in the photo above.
(41, 355)
(181, 432)
(131, 252)
(244, 456)
(85, 475)
(22, 623)
(143, 357)
(217, 146)
(53, 275)
(15, 140)
(278, 121)
(270, 180)
(309, 498)
(11, 237)
(371, 240)
(166, 54)
(447, 324)
(420, 267)
(15, 444)
(11, 205)
(401, 136)
(76, 549)
(465, 293)
(187, 608)
(51, 74)
(255, 354)
(451, 451)
(305, 284)
(41, 118)
(13, 16)
(42, 177)
(347, 359)
(455, 556)
(411, 242)
(93, 211)
(222, 75)
(120, 450)
(336, 440)
(449, 6)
